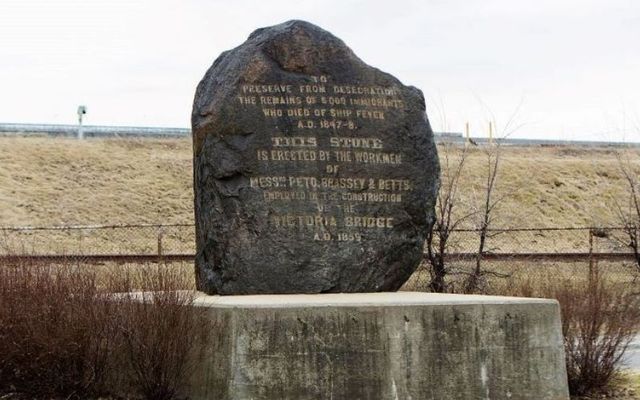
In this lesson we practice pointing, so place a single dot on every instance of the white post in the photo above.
(82, 110)
(490, 133)
(466, 134)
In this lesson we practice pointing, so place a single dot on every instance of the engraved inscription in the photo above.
(319, 195)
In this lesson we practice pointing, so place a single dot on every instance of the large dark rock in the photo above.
(313, 172)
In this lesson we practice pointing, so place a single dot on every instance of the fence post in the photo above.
(593, 262)
(160, 234)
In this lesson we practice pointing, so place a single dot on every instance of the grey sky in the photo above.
(574, 65)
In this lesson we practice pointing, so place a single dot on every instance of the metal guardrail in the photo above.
(13, 129)
(483, 141)
(7, 129)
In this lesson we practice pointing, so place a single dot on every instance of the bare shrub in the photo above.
(161, 333)
(486, 206)
(65, 333)
(629, 212)
(446, 220)
(55, 331)
(600, 317)
(484, 215)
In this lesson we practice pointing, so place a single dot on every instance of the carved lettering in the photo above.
(323, 111)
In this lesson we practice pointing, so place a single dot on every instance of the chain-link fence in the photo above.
(180, 239)
(516, 257)
(100, 240)
(531, 253)
(541, 241)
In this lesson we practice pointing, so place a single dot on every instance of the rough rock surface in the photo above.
(313, 172)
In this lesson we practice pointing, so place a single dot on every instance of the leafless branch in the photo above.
(629, 215)
(446, 219)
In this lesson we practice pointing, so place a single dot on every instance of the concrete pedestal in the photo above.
(382, 346)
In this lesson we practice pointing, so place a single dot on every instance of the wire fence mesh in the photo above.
(524, 253)
(180, 239)
(99, 240)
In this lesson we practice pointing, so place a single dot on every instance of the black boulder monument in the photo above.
(313, 171)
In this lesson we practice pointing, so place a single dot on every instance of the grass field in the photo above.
(57, 181)
(46, 181)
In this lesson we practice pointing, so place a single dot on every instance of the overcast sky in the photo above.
(570, 67)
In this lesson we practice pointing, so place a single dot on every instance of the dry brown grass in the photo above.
(550, 186)
(506, 275)
(600, 318)
(50, 181)
(45, 181)
(67, 331)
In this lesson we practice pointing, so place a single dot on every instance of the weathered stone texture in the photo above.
(382, 346)
(313, 172)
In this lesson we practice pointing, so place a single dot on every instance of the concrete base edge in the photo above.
(401, 345)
